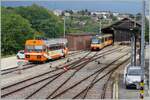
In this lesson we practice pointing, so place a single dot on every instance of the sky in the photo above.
(122, 6)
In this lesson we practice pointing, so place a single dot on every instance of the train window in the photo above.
(56, 47)
(29, 48)
(52, 48)
(102, 39)
(107, 38)
(94, 40)
(38, 48)
(110, 38)
(44, 48)
(34, 48)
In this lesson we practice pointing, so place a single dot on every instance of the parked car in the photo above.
(20, 54)
(132, 76)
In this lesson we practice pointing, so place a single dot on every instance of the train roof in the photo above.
(107, 35)
(48, 42)
(101, 36)
(34, 42)
(54, 41)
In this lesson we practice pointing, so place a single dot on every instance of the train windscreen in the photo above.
(34, 48)
(95, 41)
(134, 72)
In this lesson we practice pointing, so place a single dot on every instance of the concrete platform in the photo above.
(133, 93)
(11, 62)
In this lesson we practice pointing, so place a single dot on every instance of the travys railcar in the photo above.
(100, 41)
(43, 50)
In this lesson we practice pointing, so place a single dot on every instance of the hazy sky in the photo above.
(123, 6)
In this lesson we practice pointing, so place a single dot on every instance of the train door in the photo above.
(103, 41)
(110, 40)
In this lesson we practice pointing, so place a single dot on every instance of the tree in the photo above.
(138, 16)
(14, 31)
(42, 20)
(69, 11)
(51, 28)
(131, 16)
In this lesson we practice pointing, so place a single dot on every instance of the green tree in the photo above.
(14, 31)
(138, 16)
(42, 20)
(51, 27)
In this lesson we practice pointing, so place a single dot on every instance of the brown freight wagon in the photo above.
(79, 41)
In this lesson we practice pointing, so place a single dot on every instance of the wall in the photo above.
(79, 42)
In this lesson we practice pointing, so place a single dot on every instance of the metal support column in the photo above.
(133, 50)
(135, 62)
(143, 36)
(142, 50)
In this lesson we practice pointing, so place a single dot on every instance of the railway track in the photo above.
(103, 94)
(61, 68)
(72, 64)
(94, 81)
(29, 65)
(8, 71)
(78, 65)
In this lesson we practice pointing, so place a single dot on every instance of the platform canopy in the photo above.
(123, 29)
(125, 24)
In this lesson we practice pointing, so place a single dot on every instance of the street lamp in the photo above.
(66, 14)
(64, 25)
(100, 26)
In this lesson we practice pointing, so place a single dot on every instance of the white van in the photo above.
(132, 76)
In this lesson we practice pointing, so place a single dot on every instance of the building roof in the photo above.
(124, 24)
(80, 34)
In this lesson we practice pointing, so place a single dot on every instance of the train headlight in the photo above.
(27, 56)
(38, 57)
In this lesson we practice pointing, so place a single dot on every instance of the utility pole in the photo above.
(133, 44)
(133, 47)
(149, 46)
(100, 25)
(64, 26)
(143, 36)
(135, 41)
(142, 60)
